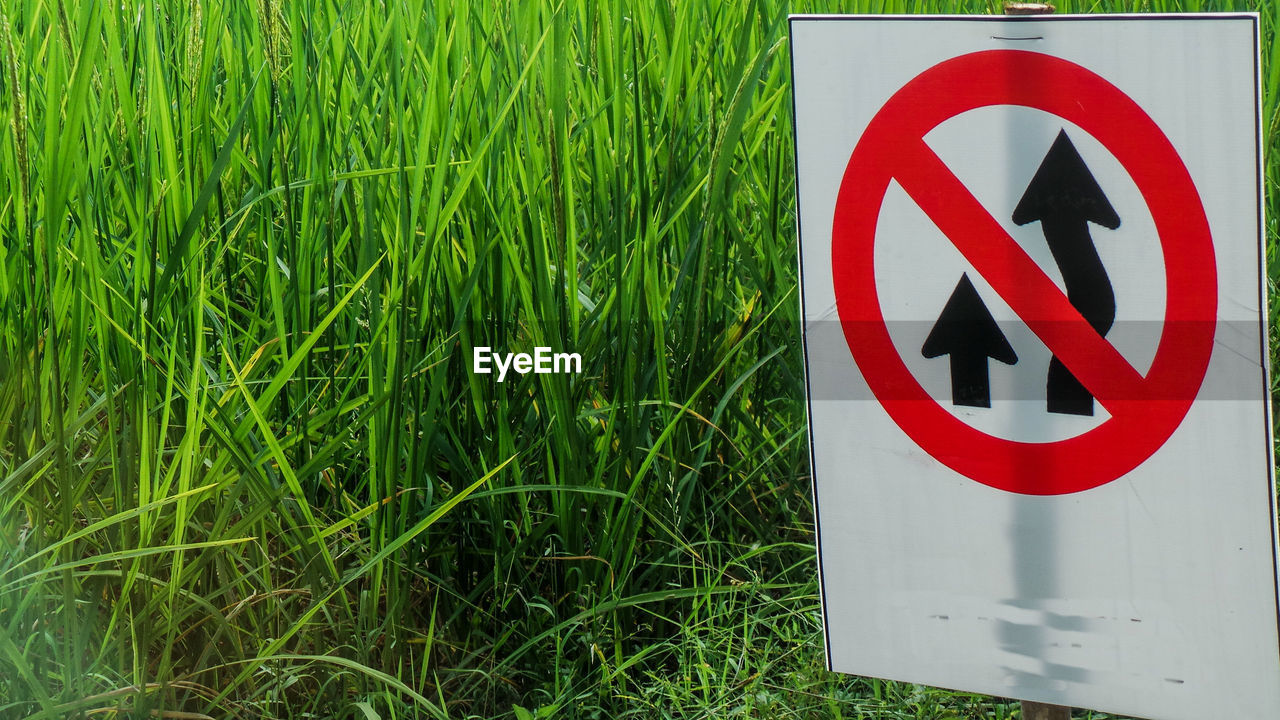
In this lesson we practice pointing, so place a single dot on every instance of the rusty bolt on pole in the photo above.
(1026, 8)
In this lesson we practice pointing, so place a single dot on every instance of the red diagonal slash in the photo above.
(1015, 276)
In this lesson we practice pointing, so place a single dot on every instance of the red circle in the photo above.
(1138, 425)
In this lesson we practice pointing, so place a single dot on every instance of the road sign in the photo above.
(891, 149)
(1035, 352)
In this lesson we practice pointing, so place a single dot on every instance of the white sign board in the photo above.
(1035, 347)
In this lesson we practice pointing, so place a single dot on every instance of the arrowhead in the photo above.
(1063, 188)
(966, 328)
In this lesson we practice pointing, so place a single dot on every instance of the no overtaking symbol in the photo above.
(1145, 410)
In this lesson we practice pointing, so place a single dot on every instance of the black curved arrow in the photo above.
(966, 331)
(1065, 198)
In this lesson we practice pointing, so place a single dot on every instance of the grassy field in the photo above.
(246, 250)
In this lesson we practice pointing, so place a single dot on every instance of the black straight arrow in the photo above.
(1064, 198)
(966, 331)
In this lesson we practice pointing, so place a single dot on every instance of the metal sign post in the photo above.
(1033, 710)
(1042, 711)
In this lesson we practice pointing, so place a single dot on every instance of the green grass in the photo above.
(245, 252)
